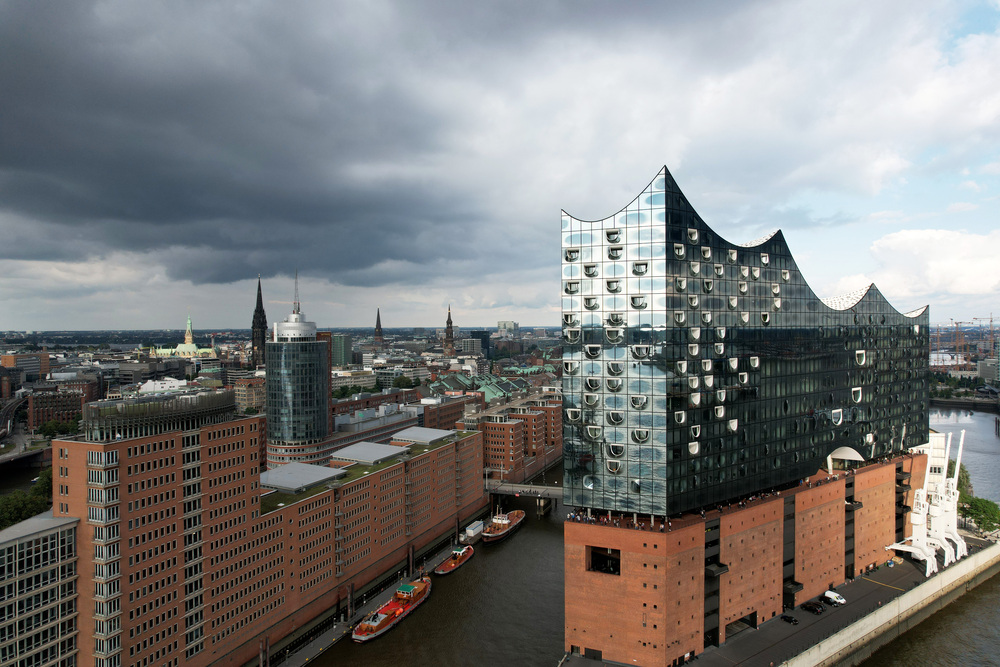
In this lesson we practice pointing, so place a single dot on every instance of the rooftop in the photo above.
(297, 477)
(39, 523)
(369, 453)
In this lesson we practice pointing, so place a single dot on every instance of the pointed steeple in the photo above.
(449, 335)
(379, 340)
(258, 330)
(189, 332)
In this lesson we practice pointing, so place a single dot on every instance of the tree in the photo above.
(402, 382)
(17, 505)
(964, 481)
(984, 513)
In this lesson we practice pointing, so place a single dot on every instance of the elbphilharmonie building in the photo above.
(698, 370)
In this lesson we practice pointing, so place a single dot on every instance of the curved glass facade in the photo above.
(298, 410)
(696, 371)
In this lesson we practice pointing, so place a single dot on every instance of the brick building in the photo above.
(186, 561)
(250, 394)
(35, 365)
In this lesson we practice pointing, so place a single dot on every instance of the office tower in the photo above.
(342, 350)
(298, 389)
(484, 337)
(258, 331)
(706, 388)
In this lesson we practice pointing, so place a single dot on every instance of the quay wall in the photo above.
(856, 643)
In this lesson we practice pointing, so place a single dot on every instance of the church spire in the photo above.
(189, 332)
(449, 335)
(258, 330)
(379, 340)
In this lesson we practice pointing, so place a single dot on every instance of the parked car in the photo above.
(833, 598)
(789, 619)
(814, 607)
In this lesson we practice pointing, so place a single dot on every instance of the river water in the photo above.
(505, 606)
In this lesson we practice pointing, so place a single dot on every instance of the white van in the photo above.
(834, 598)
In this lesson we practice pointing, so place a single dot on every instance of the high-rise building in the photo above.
(258, 331)
(509, 329)
(484, 337)
(298, 387)
(705, 388)
(341, 350)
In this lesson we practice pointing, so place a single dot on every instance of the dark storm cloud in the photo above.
(235, 139)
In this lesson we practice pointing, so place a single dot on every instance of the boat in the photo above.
(406, 598)
(502, 525)
(458, 558)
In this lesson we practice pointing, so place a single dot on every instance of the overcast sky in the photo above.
(156, 157)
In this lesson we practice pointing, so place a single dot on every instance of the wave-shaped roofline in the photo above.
(838, 303)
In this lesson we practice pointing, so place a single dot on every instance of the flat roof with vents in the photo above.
(370, 453)
(297, 477)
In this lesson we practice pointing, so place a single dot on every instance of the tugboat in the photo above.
(459, 555)
(407, 598)
(502, 525)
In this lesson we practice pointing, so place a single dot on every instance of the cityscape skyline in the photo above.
(418, 154)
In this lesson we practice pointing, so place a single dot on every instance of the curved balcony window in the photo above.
(614, 286)
(695, 268)
(680, 416)
(720, 333)
(572, 335)
(635, 486)
(694, 333)
(682, 367)
(616, 367)
(615, 252)
(765, 259)
(640, 268)
(571, 287)
(573, 414)
(592, 351)
(706, 252)
(720, 348)
(719, 270)
(679, 316)
(742, 287)
(638, 301)
(755, 273)
(589, 482)
(594, 432)
(695, 430)
(785, 275)
(743, 378)
(837, 416)
(639, 402)
(706, 317)
(593, 383)
(614, 384)
(679, 250)
(869, 438)
(860, 357)
(755, 362)
(693, 381)
(614, 466)
(733, 363)
(571, 367)
(572, 254)
(720, 411)
(692, 300)
(613, 450)
(694, 400)
(744, 317)
(640, 351)
(765, 318)
(616, 319)
(640, 435)
(744, 272)
(720, 395)
(693, 448)
(591, 302)
(775, 289)
(571, 320)
(591, 400)
(708, 381)
(613, 235)
(614, 336)
(693, 235)
(707, 285)
(777, 304)
(733, 425)
(693, 349)
(616, 418)
(856, 394)
(590, 270)
(731, 256)
(732, 303)
(706, 365)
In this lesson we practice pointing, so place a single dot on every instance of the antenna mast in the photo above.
(295, 306)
